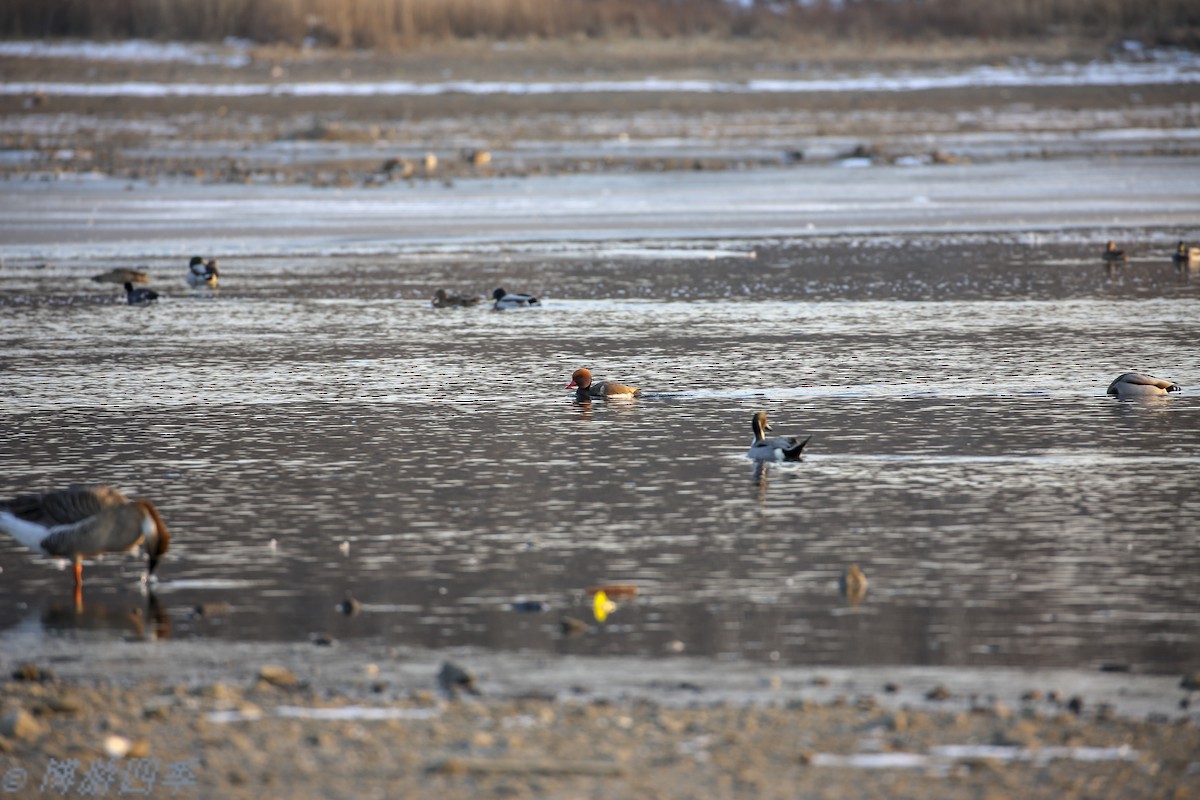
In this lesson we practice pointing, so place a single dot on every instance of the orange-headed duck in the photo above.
(586, 389)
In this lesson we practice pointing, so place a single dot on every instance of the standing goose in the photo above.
(82, 522)
(139, 297)
(585, 389)
(779, 448)
(505, 300)
(1139, 384)
(203, 273)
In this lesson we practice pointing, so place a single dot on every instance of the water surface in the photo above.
(315, 428)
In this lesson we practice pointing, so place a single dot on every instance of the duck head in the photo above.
(1111, 247)
(580, 379)
(440, 294)
(196, 261)
(155, 536)
(760, 424)
(499, 293)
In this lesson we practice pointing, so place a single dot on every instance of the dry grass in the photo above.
(396, 23)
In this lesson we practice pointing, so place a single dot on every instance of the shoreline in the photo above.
(268, 727)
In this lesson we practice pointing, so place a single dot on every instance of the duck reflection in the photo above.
(152, 622)
(762, 479)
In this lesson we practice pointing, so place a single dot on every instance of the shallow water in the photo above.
(964, 453)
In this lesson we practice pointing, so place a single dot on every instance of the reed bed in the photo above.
(395, 23)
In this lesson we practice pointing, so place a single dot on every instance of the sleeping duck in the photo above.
(1139, 384)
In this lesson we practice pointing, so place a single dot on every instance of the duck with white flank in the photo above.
(139, 297)
(587, 389)
(505, 300)
(203, 273)
(779, 448)
(85, 521)
(444, 299)
(1139, 384)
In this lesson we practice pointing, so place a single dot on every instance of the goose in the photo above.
(84, 521)
(779, 448)
(1114, 256)
(586, 389)
(505, 300)
(139, 297)
(441, 299)
(1139, 384)
(202, 273)
(122, 275)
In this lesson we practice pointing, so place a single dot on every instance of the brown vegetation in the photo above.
(394, 23)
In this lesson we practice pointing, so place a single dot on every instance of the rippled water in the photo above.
(964, 453)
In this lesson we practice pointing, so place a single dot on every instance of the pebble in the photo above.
(349, 606)
(20, 724)
(276, 675)
(210, 610)
(529, 606)
(63, 704)
(938, 693)
(33, 673)
(453, 678)
(117, 746)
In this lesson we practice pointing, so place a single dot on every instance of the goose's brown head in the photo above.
(157, 539)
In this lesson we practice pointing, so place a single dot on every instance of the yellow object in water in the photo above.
(602, 606)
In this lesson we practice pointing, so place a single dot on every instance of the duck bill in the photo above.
(572, 385)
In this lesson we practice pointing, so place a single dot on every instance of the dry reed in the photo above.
(393, 23)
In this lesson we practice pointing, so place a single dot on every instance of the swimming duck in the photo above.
(202, 273)
(505, 300)
(476, 158)
(779, 448)
(441, 299)
(1139, 384)
(585, 389)
(1114, 256)
(1186, 257)
(121, 275)
(139, 297)
(85, 521)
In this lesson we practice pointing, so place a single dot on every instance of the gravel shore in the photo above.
(279, 733)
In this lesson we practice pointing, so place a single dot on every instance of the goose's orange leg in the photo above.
(78, 584)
